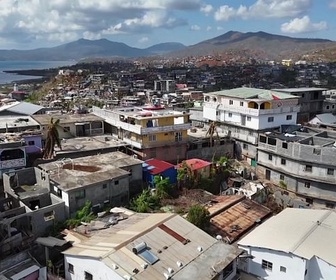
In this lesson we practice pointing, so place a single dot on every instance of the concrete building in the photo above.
(72, 125)
(152, 132)
(147, 246)
(103, 179)
(153, 167)
(302, 161)
(311, 101)
(293, 245)
(245, 112)
(27, 209)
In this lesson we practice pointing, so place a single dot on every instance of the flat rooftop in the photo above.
(166, 240)
(75, 173)
(66, 118)
(297, 90)
(17, 122)
(234, 215)
(85, 144)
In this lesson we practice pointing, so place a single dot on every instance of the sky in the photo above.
(29, 24)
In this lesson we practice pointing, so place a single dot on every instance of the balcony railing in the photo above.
(20, 162)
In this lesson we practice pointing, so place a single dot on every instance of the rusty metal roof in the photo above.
(233, 216)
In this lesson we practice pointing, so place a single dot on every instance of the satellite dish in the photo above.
(80, 182)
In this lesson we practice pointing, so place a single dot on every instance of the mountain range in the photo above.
(259, 44)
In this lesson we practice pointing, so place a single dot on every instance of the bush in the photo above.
(199, 216)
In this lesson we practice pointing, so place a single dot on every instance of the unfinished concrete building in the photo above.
(27, 210)
(301, 161)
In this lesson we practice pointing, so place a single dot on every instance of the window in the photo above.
(270, 119)
(241, 103)
(283, 269)
(283, 161)
(230, 115)
(282, 177)
(327, 107)
(270, 157)
(231, 102)
(245, 146)
(66, 129)
(262, 139)
(48, 216)
(88, 276)
(266, 265)
(178, 136)
(248, 119)
(308, 168)
(70, 268)
(288, 117)
(310, 200)
(116, 182)
(271, 141)
(31, 143)
(307, 185)
(317, 151)
(330, 171)
(330, 205)
(80, 194)
(152, 137)
(104, 186)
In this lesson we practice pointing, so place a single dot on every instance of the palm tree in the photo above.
(52, 139)
(212, 130)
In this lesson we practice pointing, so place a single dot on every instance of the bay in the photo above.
(6, 78)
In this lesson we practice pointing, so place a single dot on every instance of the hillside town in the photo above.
(150, 169)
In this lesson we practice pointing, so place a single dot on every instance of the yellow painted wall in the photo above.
(164, 137)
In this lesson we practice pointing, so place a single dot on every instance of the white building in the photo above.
(244, 112)
(156, 246)
(295, 244)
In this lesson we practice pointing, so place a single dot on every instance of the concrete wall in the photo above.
(95, 267)
(135, 178)
(209, 153)
(295, 266)
(319, 269)
(116, 191)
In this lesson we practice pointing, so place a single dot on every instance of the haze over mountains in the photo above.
(268, 46)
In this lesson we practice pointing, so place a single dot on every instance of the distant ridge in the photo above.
(251, 45)
(83, 48)
(269, 46)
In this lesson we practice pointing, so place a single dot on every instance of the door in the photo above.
(268, 174)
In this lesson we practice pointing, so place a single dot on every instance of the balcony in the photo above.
(167, 128)
(12, 163)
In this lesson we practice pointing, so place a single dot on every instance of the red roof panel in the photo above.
(159, 166)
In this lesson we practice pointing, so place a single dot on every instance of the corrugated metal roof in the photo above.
(118, 248)
(157, 166)
(255, 93)
(302, 232)
(236, 218)
(25, 108)
(195, 163)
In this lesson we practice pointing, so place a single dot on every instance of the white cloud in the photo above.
(333, 4)
(206, 9)
(302, 25)
(208, 28)
(195, 27)
(264, 9)
(57, 20)
(219, 28)
(143, 40)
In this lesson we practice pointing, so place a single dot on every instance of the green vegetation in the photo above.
(145, 202)
(162, 187)
(199, 216)
(282, 184)
(82, 215)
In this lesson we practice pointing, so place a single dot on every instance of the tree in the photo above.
(199, 216)
(162, 187)
(211, 132)
(52, 139)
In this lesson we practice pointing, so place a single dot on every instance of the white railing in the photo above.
(167, 128)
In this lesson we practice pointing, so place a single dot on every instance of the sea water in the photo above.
(6, 78)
